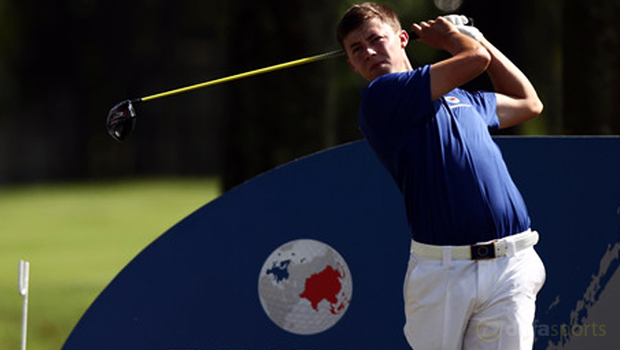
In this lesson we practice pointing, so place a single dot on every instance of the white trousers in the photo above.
(472, 305)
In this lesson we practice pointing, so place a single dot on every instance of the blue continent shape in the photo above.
(279, 270)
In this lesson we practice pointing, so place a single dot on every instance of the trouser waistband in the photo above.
(506, 246)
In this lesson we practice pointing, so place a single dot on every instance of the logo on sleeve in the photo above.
(454, 102)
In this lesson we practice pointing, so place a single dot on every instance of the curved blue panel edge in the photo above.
(195, 287)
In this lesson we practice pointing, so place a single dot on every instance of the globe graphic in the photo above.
(305, 286)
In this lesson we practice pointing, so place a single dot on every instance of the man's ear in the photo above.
(404, 38)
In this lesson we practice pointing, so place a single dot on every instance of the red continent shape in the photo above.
(323, 285)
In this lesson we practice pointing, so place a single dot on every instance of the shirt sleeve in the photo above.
(486, 104)
(394, 102)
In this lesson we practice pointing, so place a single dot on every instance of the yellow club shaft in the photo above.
(247, 74)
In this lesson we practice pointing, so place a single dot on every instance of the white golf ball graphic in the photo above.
(305, 287)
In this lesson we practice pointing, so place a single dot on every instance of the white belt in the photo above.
(486, 250)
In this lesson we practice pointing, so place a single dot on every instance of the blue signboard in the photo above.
(312, 256)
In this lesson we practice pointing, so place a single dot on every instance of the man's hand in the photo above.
(464, 26)
(439, 34)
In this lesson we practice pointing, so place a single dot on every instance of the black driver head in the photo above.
(121, 120)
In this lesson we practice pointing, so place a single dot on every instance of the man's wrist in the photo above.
(459, 42)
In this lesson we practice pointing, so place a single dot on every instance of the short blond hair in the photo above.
(359, 14)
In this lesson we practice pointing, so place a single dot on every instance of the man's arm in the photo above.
(469, 57)
(517, 100)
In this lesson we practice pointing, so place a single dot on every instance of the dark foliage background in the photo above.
(65, 63)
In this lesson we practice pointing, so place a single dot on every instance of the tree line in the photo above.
(64, 64)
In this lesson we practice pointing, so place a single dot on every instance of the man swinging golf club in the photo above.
(473, 274)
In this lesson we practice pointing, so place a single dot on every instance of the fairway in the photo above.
(77, 237)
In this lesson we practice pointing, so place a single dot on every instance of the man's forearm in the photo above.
(505, 76)
(517, 100)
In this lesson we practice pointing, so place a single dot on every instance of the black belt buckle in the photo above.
(483, 251)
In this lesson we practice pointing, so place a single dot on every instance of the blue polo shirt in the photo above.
(455, 183)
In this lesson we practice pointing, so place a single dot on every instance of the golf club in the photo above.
(122, 117)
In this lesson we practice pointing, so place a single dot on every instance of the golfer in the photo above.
(473, 274)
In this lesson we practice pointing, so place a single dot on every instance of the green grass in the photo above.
(77, 237)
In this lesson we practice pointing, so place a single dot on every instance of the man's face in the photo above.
(375, 49)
